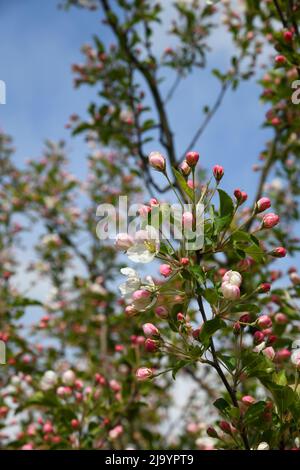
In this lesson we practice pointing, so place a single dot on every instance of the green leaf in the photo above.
(209, 328)
(183, 184)
(226, 204)
(221, 404)
(254, 413)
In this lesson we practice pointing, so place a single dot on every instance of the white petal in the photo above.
(129, 272)
(140, 254)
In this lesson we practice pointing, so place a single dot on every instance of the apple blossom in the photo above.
(263, 204)
(68, 378)
(192, 158)
(157, 161)
(264, 321)
(146, 245)
(270, 220)
(150, 330)
(144, 373)
(232, 277)
(123, 241)
(230, 291)
(218, 172)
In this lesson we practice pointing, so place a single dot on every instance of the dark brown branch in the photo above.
(166, 137)
(280, 13)
(216, 365)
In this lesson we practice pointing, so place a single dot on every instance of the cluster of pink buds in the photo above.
(230, 287)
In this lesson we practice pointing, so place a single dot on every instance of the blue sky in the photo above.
(38, 44)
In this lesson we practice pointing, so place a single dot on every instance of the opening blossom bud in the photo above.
(157, 161)
(248, 400)
(192, 158)
(269, 353)
(232, 277)
(123, 241)
(264, 321)
(263, 204)
(184, 261)
(279, 252)
(150, 330)
(165, 270)
(185, 168)
(68, 378)
(141, 298)
(130, 311)
(230, 291)
(270, 220)
(144, 373)
(218, 172)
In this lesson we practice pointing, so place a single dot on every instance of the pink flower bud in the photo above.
(258, 337)
(150, 330)
(192, 158)
(180, 316)
(248, 400)
(151, 345)
(264, 287)
(270, 220)
(218, 172)
(144, 373)
(240, 196)
(184, 261)
(141, 298)
(114, 385)
(68, 378)
(295, 278)
(263, 204)
(75, 423)
(47, 428)
(264, 321)
(165, 270)
(269, 353)
(282, 355)
(230, 291)
(225, 427)
(157, 161)
(278, 252)
(280, 59)
(187, 220)
(281, 319)
(288, 36)
(185, 168)
(130, 311)
(115, 432)
(161, 312)
(123, 241)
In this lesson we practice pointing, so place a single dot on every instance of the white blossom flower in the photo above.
(145, 246)
(263, 446)
(132, 283)
(48, 380)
